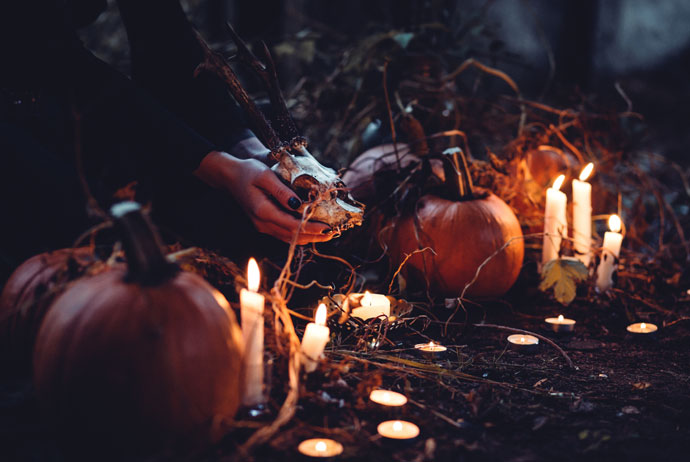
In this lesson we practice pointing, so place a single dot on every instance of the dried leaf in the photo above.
(563, 275)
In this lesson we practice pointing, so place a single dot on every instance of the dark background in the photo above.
(558, 51)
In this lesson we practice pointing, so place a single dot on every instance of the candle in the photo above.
(252, 318)
(315, 338)
(388, 398)
(430, 350)
(371, 306)
(398, 429)
(561, 324)
(642, 328)
(582, 216)
(320, 447)
(523, 343)
(555, 221)
(609, 254)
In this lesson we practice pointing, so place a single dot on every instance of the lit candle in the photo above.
(430, 350)
(561, 324)
(398, 429)
(582, 216)
(320, 447)
(388, 398)
(371, 306)
(609, 254)
(642, 328)
(523, 343)
(315, 338)
(555, 221)
(252, 318)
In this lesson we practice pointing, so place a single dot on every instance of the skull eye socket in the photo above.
(305, 186)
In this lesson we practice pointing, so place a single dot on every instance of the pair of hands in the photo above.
(261, 194)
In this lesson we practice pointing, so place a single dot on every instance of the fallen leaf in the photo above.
(541, 382)
(563, 274)
(641, 385)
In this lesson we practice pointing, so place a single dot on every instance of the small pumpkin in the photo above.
(28, 293)
(139, 358)
(464, 228)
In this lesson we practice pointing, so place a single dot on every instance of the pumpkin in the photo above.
(545, 163)
(28, 293)
(464, 228)
(139, 358)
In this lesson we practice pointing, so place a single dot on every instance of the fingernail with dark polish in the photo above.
(327, 231)
(294, 203)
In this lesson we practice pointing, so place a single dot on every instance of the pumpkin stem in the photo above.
(458, 178)
(146, 262)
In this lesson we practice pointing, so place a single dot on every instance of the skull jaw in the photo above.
(322, 191)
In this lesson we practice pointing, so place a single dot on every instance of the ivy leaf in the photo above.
(563, 275)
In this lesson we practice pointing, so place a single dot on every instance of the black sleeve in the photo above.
(165, 53)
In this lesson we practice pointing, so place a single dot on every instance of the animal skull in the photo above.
(321, 189)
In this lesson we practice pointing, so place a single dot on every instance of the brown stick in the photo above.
(541, 337)
(216, 64)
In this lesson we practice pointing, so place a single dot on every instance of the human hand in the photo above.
(261, 194)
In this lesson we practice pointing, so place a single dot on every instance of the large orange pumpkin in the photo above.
(137, 359)
(464, 228)
(28, 293)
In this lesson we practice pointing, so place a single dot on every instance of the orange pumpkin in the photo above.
(136, 359)
(28, 293)
(464, 228)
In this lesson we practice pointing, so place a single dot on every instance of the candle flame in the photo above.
(522, 339)
(615, 223)
(397, 426)
(586, 172)
(320, 317)
(321, 446)
(558, 182)
(367, 299)
(253, 275)
(643, 326)
(386, 397)
(431, 344)
(560, 318)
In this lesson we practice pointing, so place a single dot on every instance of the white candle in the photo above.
(252, 318)
(315, 338)
(561, 324)
(388, 398)
(642, 328)
(371, 306)
(398, 429)
(523, 342)
(609, 254)
(320, 447)
(582, 216)
(555, 221)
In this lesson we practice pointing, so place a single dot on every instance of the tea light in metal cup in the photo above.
(388, 398)
(430, 350)
(642, 328)
(560, 324)
(320, 448)
(523, 343)
(398, 430)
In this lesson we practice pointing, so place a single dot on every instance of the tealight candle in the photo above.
(398, 430)
(523, 343)
(642, 328)
(388, 398)
(371, 306)
(609, 254)
(431, 350)
(252, 319)
(561, 324)
(320, 447)
(555, 221)
(582, 216)
(315, 338)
